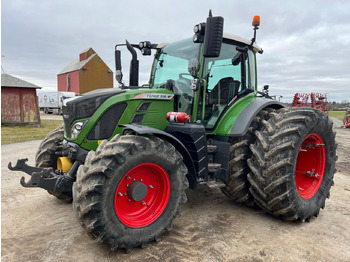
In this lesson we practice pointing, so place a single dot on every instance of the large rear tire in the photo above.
(130, 190)
(46, 157)
(237, 187)
(293, 163)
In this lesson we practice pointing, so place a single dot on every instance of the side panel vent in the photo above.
(144, 106)
(137, 119)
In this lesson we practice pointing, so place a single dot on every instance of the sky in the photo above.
(306, 43)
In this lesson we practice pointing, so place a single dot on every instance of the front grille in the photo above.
(107, 123)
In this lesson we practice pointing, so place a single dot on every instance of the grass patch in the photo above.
(337, 114)
(15, 134)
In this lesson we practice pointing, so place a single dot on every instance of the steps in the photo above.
(213, 169)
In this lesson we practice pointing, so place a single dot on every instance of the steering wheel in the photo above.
(180, 87)
(184, 74)
(184, 83)
(170, 85)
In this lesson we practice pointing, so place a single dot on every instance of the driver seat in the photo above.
(224, 91)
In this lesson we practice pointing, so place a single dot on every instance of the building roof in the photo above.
(11, 81)
(76, 65)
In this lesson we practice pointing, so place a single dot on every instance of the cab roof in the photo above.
(256, 48)
(228, 36)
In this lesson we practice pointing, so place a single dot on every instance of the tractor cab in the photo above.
(221, 70)
(222, 80)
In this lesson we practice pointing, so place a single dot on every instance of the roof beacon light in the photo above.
(256, 21)
(256, 24)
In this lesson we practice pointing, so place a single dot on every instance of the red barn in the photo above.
(86, 74)
(19, 104)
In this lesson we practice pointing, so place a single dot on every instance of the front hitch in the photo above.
(46, 178)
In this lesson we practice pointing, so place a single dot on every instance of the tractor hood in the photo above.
(100, 111)
(85, 106)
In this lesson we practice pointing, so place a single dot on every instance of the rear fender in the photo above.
(245, 118)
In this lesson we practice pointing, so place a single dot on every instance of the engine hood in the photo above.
(84, 106)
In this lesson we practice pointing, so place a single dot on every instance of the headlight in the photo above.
(76, 129)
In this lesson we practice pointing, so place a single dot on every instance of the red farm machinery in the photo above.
(318, 101)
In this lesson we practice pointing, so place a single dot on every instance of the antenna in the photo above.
(210, 14)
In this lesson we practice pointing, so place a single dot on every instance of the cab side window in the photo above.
(227, 75)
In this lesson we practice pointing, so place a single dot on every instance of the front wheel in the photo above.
(293, 163)
(46, 157)
(130, 190)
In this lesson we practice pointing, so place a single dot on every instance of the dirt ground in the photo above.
(38, 227)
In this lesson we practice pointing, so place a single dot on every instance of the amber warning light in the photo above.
(256, 21)
(255, 24)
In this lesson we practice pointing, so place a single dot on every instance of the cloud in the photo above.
(306, 43)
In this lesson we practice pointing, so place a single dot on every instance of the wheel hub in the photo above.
(142, 195)
(137, 191)
(310, 166)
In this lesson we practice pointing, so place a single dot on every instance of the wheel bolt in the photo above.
(120, 194)
(143, 203)
(141, 180)
(127, 177)
(150, 186)
(133, 179)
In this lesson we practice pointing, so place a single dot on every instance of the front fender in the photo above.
(179, 146)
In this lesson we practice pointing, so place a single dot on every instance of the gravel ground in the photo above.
(38, 227)
(50, 116)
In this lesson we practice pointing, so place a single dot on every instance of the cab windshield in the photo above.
(170, 71)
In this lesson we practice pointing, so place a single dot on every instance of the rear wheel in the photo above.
(293, 163)
(237, 187)
(130, 190)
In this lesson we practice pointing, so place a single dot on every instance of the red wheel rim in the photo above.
(310, 167)
(142, 195)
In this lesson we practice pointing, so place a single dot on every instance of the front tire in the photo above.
(46, 157)
(130, 190)
(293, 163)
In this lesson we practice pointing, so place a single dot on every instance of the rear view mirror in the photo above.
(118, 66)
(213, 36)
(193, 67)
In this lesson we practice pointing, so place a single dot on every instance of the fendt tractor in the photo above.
(125, 156)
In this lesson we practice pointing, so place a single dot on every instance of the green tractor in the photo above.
(126, 156)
